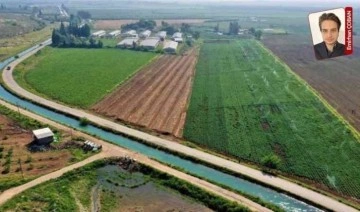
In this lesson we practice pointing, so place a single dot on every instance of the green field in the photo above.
(79, 77)
(246, 104)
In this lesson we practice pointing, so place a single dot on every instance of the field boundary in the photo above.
(352, 129)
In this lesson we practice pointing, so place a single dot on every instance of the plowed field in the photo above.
(156, 97)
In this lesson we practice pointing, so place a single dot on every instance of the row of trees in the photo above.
(142, 24)
(74, 35)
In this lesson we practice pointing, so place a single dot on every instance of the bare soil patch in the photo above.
(156, 97)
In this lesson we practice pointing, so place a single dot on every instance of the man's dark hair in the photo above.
(331, 17)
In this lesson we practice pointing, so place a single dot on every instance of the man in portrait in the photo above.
(329, 25)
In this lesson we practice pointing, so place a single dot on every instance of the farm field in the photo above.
(246, 104)
(117, 185)
(116, 24)
(18, 164)
(337, 80)
(156, 97)
(12, 45)
(84, 78)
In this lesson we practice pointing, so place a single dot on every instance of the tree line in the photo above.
(74, 35)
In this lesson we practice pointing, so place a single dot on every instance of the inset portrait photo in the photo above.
(330, 34)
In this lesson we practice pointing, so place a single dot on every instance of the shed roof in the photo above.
(170, 45)
(162, 34)
(128, 41)
(150, 42)
(114, 33)
(43, 133)
(177, 35)
(100, 32)
(146, 33)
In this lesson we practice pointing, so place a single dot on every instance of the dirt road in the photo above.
(290, 187)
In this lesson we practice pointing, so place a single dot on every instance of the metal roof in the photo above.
(177, 35)
(99, 33)
(43, 133)
(170, 45)
(178, 39)
(128, 41)
(146, 33)
(150, 42)
(114, 33)
(162, 34)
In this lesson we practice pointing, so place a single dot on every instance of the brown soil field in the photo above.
(15, 139)
(336, 79)
(156, 97)
(116, 24)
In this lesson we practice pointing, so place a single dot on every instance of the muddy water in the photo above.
(136, 192)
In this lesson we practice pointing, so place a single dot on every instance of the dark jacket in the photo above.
(321, 51)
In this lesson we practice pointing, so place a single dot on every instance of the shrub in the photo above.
(271, 161)
(84, 121)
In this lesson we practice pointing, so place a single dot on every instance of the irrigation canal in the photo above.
(286, 202)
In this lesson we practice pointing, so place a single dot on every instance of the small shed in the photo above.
(170, 46)
(150, 43)
(162, 35)
(177, 35)
(179, 40)
(43, 136)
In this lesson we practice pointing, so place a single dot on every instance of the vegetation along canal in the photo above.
(286, 202)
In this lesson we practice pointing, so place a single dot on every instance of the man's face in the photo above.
(329, 31)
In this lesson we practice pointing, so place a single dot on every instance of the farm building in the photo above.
(162, 35)
(43, 136)
(114, 34)
(177, 35)
(150, 43)
(179, 40)
(131, 33)
(145, 34)
(127, 42)
(170, 46)
(99, 34)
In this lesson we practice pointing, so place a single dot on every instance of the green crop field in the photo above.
(246, 104)
(79, 77)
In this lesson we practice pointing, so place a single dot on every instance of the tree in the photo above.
(271, 161)
(196, 35)
(234, 28)
(55, 38)
(85, 31)
(100, 44)
(252, 30)
(62, 29)
(258, 34)
(216, 28)
(185, 28)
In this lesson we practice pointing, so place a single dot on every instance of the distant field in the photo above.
(246, 104)
(79, 77)
(335, 79)
(116, 24)
(15, 44)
